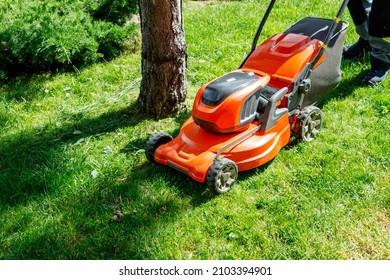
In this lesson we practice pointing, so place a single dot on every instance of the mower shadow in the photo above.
(346, 85)
(244, 175)
(197, 192)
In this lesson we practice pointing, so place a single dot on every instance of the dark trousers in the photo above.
(378, 19)
(378, 32)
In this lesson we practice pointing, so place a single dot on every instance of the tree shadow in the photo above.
(25, 157)
(79, 224)
(25, 87)
(94, 234)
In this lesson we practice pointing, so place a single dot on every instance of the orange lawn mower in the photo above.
(242, 119)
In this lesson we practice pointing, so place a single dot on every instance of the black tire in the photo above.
(221, 175)
(155, 141)
(311, 123)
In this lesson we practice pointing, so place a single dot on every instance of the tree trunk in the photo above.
(164, 58)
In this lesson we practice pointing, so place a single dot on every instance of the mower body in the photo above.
(195, 149)
(246, 116)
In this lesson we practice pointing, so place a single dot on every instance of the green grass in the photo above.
(72, 152)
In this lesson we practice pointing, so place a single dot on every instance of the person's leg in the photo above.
(359, 10)
(379, 32)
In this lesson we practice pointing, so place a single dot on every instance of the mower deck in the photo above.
(194, 150)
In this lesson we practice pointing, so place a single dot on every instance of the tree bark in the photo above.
(164, 58)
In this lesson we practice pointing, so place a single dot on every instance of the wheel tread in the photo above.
(154, 141)
(212, 175)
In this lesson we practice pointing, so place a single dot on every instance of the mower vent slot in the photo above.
(249, 109)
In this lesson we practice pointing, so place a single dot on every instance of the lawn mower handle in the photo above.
(327, 40)
(261, 25)
(259, 29)
(330, 33)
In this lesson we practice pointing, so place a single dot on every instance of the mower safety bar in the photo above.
(237, 140)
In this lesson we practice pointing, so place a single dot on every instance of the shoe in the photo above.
(357, 50)
(374, 76)
(378, 72)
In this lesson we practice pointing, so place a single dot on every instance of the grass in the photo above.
(72, 153)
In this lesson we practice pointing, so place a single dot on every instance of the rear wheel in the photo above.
(311, 123)
(155, 141)
(222, 175)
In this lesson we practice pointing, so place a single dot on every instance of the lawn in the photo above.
(72, 154)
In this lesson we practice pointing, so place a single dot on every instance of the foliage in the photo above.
(115, 11)
(53, 34)
(72, 153)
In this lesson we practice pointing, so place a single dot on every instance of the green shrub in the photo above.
(115, 11)
(53, 34)
(2, 75)
(111, 37)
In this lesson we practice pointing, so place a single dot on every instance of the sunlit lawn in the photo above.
(71, 154)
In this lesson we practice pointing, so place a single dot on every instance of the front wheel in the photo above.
(222, 175)
(155, 141)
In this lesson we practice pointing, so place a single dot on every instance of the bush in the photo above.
(115, 11)
(59, 34)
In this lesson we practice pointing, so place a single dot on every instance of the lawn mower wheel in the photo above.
(155, 141)
(221, 175)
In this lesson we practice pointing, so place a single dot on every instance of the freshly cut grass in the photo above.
(72, 154)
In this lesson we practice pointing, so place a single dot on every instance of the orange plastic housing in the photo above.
(194, 149)
(228, 117)
(284, 57)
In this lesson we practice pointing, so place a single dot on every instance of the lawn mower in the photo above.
(242, 119)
